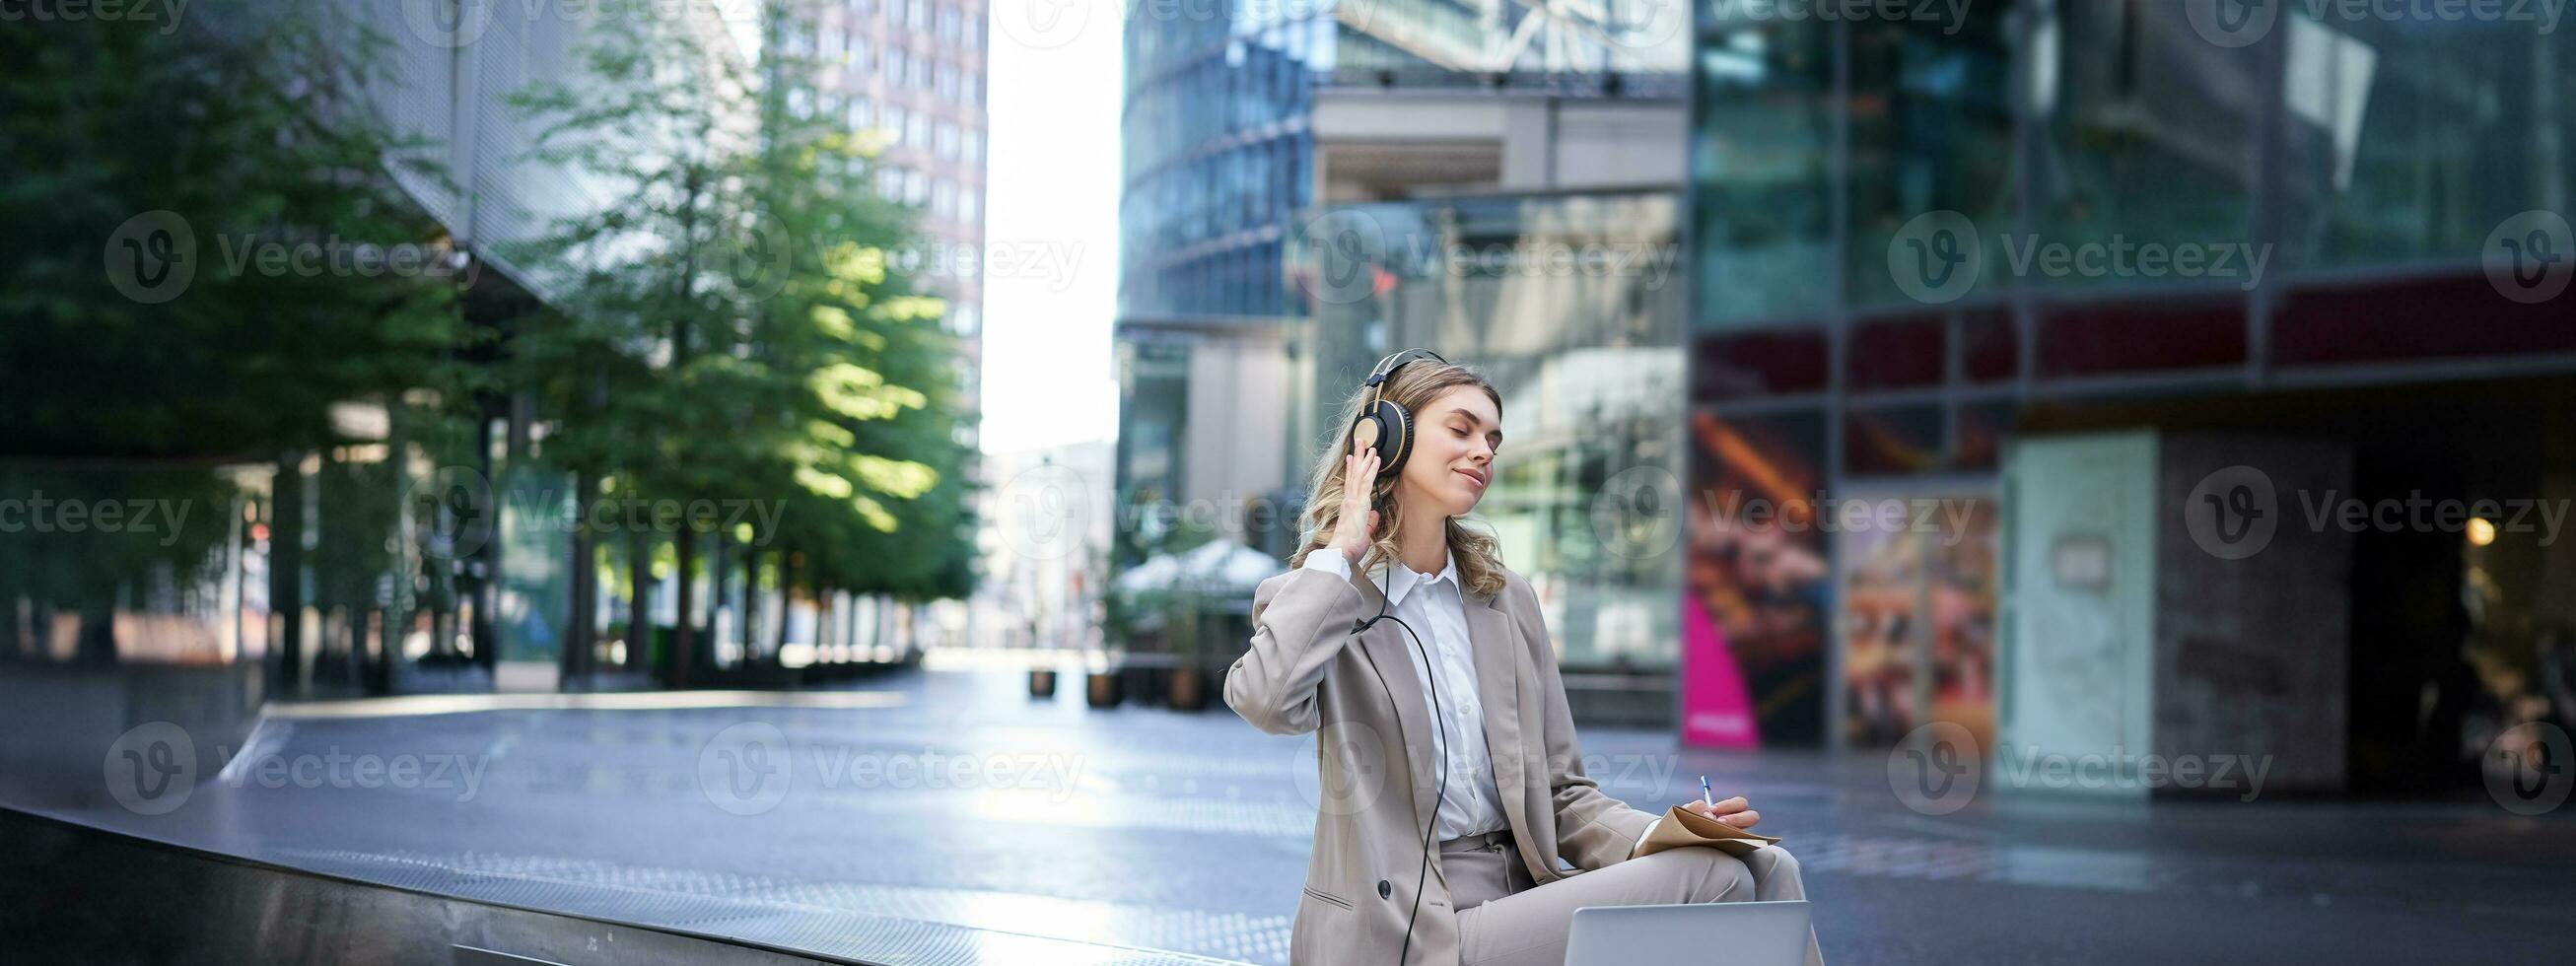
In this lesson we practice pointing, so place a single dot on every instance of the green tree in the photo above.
(210, 245)
(137, 157)
(729, 327)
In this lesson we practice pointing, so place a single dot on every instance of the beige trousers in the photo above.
(1506, 919)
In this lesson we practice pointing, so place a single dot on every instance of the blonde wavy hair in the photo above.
(1480, 565)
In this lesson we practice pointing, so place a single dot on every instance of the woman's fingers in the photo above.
(1730, 811)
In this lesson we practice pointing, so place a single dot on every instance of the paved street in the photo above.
(1085, 836)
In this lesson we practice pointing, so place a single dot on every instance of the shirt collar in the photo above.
(1396, 590)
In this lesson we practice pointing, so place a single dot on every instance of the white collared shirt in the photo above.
(1435, 607)
(1473, 804)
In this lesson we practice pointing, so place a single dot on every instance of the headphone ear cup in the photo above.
(1395, 437)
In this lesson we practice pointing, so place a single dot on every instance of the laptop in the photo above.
(1737, 933)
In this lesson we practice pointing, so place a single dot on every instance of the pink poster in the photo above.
(1716, 713)
(1756, 586)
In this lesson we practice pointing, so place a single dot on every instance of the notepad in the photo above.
(1682, 827)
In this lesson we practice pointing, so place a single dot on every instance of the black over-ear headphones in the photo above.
(1382, 423)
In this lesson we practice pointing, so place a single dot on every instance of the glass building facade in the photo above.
(1572, 303)
(1877, 309)
(1219, 154)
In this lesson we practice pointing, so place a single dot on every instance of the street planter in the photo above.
(1188, 688)
(1104, 690)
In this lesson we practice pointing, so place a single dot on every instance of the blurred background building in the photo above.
(2077, 416)
(2343, 329)
(1270, 151)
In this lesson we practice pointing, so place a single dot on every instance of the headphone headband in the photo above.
(1386, 367)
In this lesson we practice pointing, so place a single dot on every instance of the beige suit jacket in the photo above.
(1307, 673)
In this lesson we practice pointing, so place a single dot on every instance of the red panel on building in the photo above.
(1769, 363)
(1897, 353)
(1989, 345)
(2421, 318)
(2137, 334)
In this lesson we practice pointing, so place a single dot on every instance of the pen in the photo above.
(1703, 792)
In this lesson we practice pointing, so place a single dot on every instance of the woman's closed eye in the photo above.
(1463, 433)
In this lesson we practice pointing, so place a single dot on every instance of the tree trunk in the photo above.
(579, 647)
(786, 600)
(97, 641)
(13, 643)
(719, 570)
(286, 572)
(750, 595)
(639, 598)
(684, 628)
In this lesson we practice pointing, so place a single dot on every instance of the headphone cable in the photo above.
(1423, 877)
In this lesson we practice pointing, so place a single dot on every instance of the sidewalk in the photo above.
(946, 811)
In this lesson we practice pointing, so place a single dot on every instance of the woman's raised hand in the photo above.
(1359, 476)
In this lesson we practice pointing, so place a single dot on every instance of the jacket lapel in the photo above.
(1496, 642)
(1390, 654)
